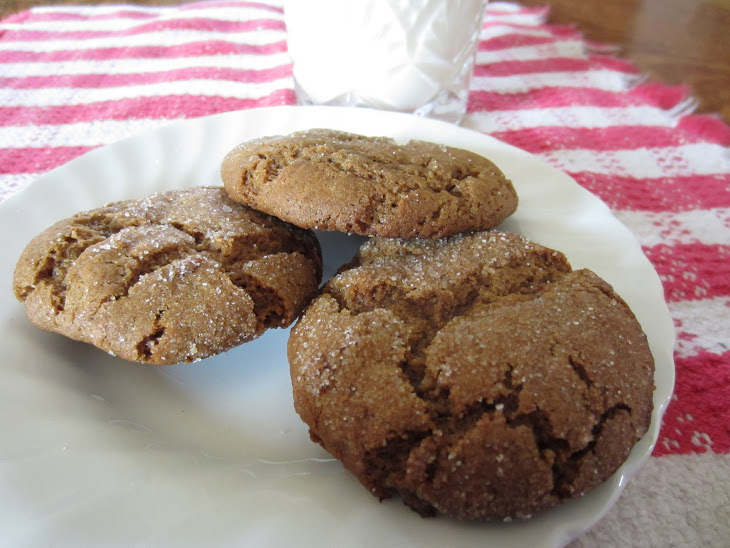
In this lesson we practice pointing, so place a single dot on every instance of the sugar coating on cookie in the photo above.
(477, 376)
(175, 277)
(332, 180)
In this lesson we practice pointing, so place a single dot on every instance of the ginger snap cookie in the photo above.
(332, 180)
(477, 376)
(175, 277)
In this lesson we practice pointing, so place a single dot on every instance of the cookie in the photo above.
(175, 277)
(332, 180)
(477, 376)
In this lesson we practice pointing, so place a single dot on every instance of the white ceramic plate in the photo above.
(98, 451)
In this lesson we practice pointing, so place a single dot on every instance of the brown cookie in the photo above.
(476, 376)
(175, 277)
(331, 180)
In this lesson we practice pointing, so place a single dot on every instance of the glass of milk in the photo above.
(412, 56)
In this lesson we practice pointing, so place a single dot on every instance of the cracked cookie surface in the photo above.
(175, 277)
(477, 376)
(332, 180)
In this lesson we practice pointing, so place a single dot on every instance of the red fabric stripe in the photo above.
(37, 160)
(192, 49)
(699, 407)
(613, 63)
(543, 139)
(17, 17)
(659, 194)
(654, 93)
(664, 97)
(510, 68)
(555, 30)
(87, 81)
(164, 107)
(552, 64)
(692, 271)
(705, 126)
(126, 13)
(156, 26)
(516, 40)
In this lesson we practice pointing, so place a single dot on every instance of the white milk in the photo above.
(410, 56)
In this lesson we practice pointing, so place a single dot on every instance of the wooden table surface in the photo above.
(673, 41)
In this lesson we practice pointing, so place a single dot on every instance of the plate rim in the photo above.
(404, 122)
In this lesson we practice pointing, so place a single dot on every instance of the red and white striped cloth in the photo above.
(75, 78)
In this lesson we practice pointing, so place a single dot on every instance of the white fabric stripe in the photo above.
(562, 48)
(124, 22)
(157, 38)
(500, 121)
(105, 9)
(516, 18)
(693, 159)
(205, 87)
(705, 226)
(138, 66)
(702, 325)
(573, 116)
(504, 8)
(91, 11)
(81, 134)
(604, 79)
(675, 500)
(10, 184)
